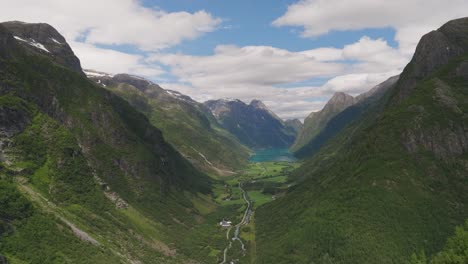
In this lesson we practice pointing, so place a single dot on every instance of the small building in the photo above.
(225, 223)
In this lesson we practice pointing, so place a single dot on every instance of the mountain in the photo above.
(392, 183)
(253, 124)
(186, 124)
(316, 121)
(341, 110)
(295, 125)
(84, 177)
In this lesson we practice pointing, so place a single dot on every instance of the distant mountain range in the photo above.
(253, 124)
(214, 135)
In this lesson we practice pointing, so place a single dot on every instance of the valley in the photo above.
(100, 167)
(258, 184)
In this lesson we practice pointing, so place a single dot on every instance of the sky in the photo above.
(291, 54)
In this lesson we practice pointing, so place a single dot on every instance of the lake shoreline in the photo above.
(272, 154)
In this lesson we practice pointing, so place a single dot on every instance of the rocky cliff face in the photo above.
(43, 38)
(254, 124)
(436, 48)
(444, 48)
(447, 139)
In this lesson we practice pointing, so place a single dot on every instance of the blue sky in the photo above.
(248, 23)
(291, 54)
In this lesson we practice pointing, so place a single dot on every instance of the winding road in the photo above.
(245, 220)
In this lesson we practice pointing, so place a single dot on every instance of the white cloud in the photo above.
(256, 72)
(356, 83)
(105, 60)
(112, 21)
(251, 65)
(411, 19)
(374, 56)
(244, 72)
(287, 103)
(89, 24)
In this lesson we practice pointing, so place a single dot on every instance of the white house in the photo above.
(225, 223)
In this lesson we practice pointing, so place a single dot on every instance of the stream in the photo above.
(245, 220)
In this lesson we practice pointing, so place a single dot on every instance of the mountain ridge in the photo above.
(187, 124)
(254, 124)
(319, 126)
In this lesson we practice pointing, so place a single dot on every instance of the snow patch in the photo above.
(91, 73)
(33, 43)
(179, 96)
(20, 39)
(56, 41)
(173, 93)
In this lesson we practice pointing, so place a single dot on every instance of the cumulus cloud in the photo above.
(95, 28)
(410, 19)
(356, 83)
(263, 72)
(112, 61)
(113, 22)
(88, 25)
(250, 65)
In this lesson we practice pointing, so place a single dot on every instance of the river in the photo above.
(245, 220)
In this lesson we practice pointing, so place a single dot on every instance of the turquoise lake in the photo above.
(272, 154)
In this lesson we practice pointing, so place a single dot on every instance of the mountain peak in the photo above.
(340, 97)
(253, 124)
(44, 39)
(258, 104)
(434, 50)
(340, 100)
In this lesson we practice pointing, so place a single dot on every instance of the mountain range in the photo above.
(186, 124)
(253, 124)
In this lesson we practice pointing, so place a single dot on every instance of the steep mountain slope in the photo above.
(316, 121)
(390, 184)
(185, 123)
(340, 111)
(295, 125)
(79, 166)
(253, 124)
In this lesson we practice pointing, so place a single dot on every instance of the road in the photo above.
(245, 220)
